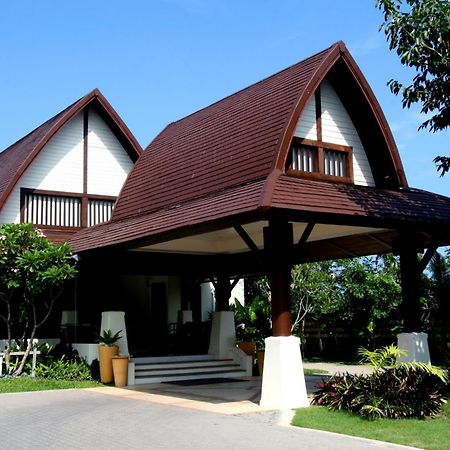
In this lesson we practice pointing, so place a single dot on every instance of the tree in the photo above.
(32, 275)
(419, 32)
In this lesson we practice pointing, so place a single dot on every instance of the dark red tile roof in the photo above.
(224, 165)
(231, 205)
(16, 158)
(232, 142)
(412, 206)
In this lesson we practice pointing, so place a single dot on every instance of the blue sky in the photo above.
(159, 60)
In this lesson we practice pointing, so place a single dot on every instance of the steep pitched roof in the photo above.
(224, 165)
(243, 138)
(16, 158)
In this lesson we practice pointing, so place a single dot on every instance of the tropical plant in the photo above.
(33, 272)
(419, 32)
(107, 338)
(253, 320)
(394, 390)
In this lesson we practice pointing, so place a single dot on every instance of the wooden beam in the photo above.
(423, 263)
(278, 240)
(246, 238)
(235, 282)
(250, 244)
(306, 233)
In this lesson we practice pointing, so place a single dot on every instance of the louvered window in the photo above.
(61, 209)
(99, 211)
(316, 159)
(52, 210)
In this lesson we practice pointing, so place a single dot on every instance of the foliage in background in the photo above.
(32, 274)
(393, 390)
(437, 317)
(253, 320)
(419, 32)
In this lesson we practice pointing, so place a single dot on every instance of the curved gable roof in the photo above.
(17, 158)
(246, 137)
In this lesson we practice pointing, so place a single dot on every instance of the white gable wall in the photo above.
(337, 128)
(59, 166)
(108, 163)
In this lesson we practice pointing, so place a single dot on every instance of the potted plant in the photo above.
(106, 350)
(253, 325)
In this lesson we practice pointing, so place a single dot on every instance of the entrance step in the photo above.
(184, 368)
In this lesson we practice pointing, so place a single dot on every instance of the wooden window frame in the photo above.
(321, 148)
(84, 202)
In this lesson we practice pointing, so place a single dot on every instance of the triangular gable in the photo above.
(15, 160)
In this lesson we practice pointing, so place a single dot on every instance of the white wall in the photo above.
(59, 166)
(337, 128)
(108, 163)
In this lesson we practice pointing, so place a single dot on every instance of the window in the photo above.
(316, 159)
(63, 209)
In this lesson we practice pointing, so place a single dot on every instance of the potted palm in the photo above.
(106, 350)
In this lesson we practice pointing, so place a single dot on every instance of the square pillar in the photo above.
(283, 384)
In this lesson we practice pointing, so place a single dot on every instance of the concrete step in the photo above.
(170, 365)
(150, 371)
(157, 370)
(189, 376)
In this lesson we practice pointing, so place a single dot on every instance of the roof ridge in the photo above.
(254, 84)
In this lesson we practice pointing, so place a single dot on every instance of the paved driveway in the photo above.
(87, 419)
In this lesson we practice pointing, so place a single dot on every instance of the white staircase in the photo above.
(178, 368)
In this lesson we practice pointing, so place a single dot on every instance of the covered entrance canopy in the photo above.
(299, 167)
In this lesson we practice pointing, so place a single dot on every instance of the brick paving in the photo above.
(87, 419)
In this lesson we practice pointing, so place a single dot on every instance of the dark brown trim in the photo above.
(67, 194)
(306, 233)
(321, 147)
(305, 96)
(84, 199)
(423, 263)
(318, 114)
(246, 238)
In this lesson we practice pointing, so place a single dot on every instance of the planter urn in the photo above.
(120, 370)
(105, 355)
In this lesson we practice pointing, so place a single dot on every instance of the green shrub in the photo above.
(64, 369)
(394, 391)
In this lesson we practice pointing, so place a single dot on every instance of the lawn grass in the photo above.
(27, 384)
(431, 434)
(315, 372)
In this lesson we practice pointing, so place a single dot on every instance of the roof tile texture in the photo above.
(232, 142)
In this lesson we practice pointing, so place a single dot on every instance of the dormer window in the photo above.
(320, 160)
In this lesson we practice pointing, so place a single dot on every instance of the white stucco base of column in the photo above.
(416, 346)
(223, 334)
(283, 384)
(115, 321)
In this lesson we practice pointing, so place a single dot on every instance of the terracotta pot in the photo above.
(105, 354)
(120, 369)
(248, 347)
(260, 357)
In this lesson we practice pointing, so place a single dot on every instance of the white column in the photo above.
(115, 321)
(223, 334)
(283, 384)
(416, 347)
